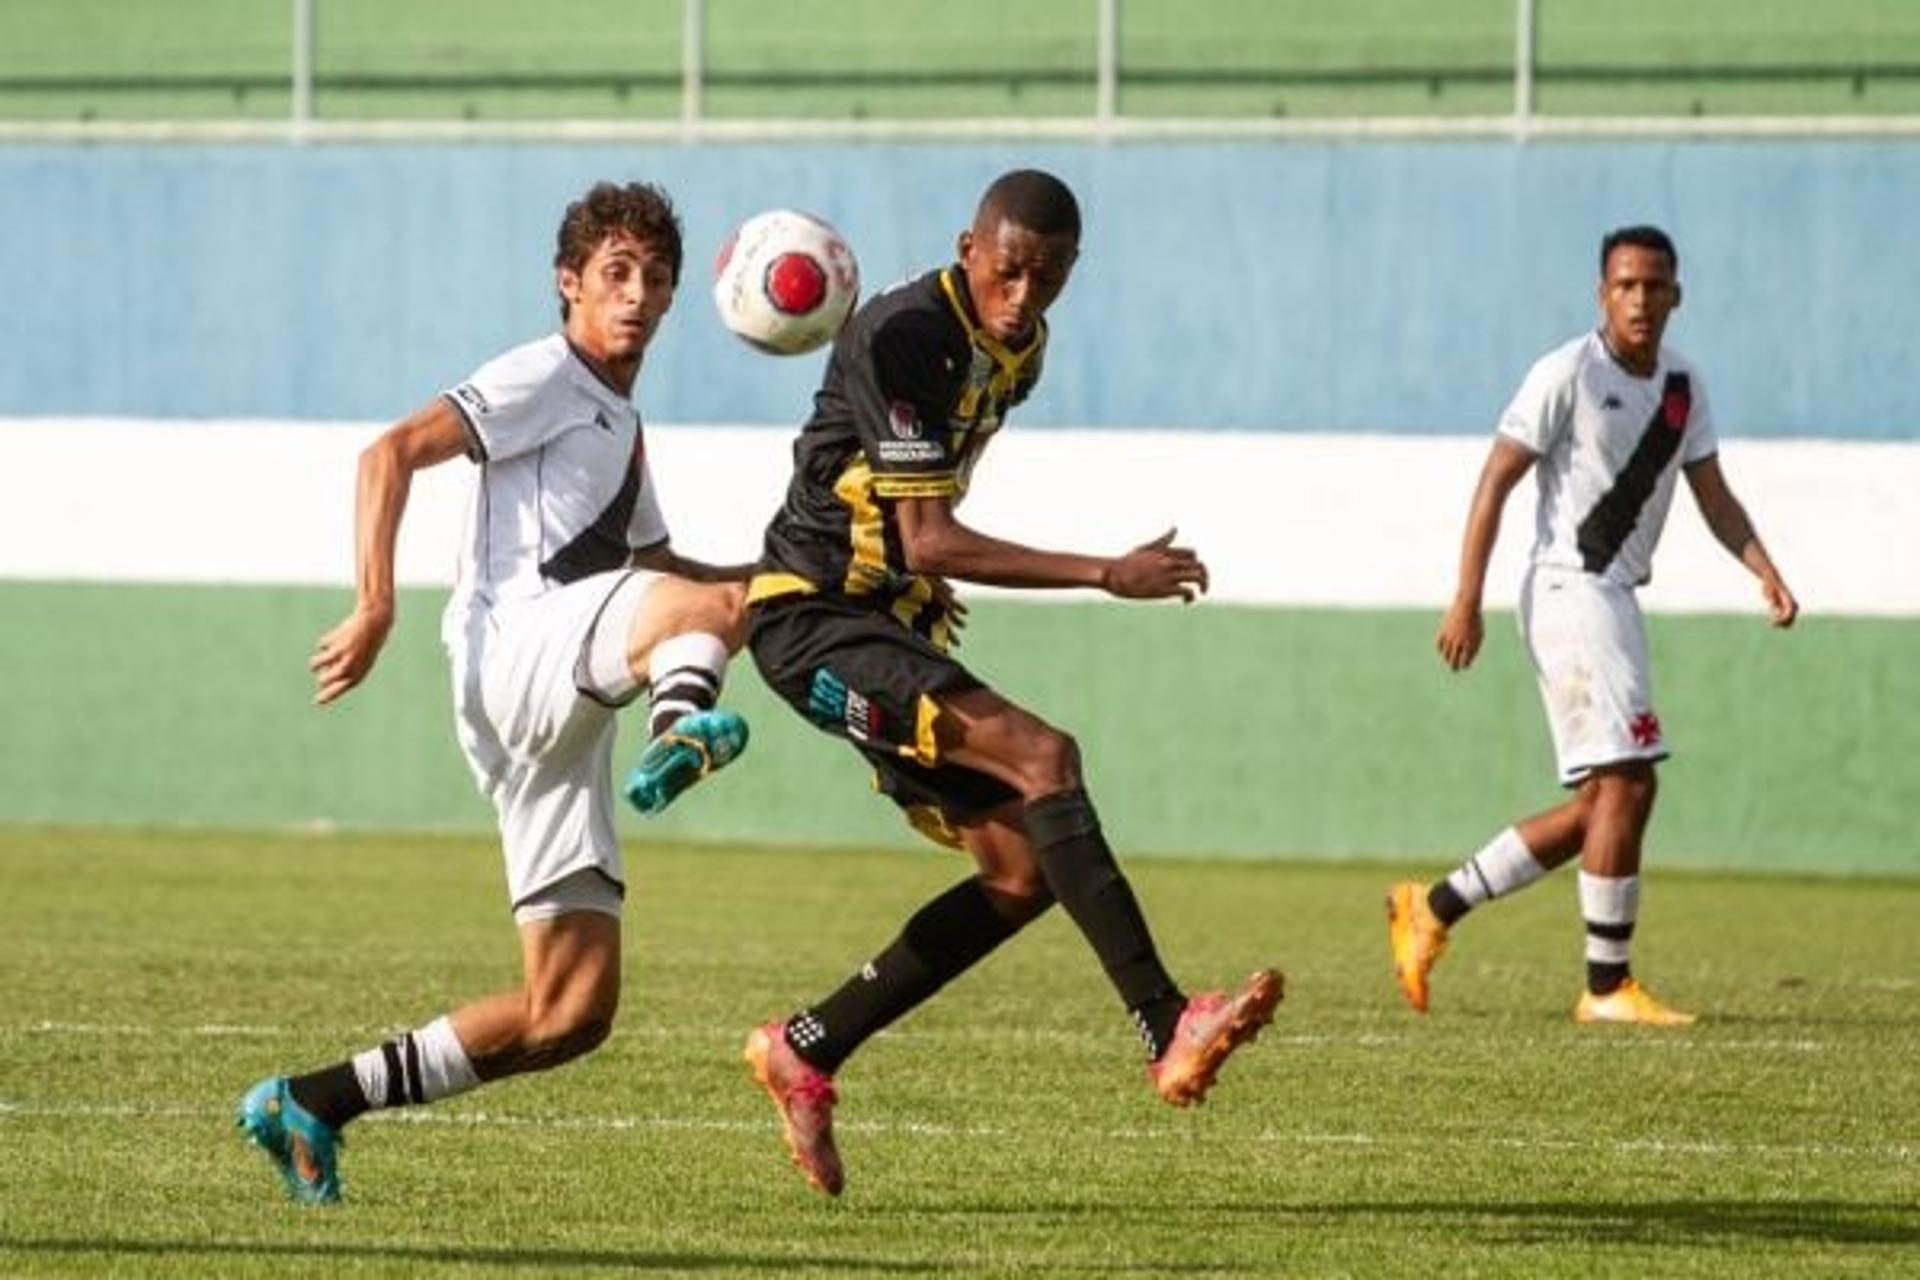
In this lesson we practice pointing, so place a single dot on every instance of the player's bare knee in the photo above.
(1051, 763)
(730, 614)
(1631, 786)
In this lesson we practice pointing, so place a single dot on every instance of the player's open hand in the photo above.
(1156, 570)
(343, 656)
(1782, 608)
(1461, 632)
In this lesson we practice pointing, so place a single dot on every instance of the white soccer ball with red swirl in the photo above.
(785, 281)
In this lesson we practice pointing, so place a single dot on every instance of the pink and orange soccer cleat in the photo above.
(1211, 1027)
(804, 1096)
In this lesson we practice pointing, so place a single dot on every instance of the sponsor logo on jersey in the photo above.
(863, 718)
(904, 420)
(600, 421)
(900, 452)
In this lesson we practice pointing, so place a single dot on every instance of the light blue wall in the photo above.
(1289, 286)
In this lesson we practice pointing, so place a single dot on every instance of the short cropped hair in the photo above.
(1032, 199)
(640, 209)
(1640, 236)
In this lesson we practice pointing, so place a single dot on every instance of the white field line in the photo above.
(1064, 1039)
(1896, 1151)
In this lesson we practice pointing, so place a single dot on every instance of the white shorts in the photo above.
(536, 684)
(1589, 648)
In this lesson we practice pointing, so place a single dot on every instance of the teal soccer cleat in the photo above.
(692, 747)
(301, 1146)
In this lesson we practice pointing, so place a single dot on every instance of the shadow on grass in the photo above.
(1677, 1223)
(545, 1261)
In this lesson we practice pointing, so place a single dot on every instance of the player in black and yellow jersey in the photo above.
(851, 623)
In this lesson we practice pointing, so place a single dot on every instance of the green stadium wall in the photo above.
(1208, 730)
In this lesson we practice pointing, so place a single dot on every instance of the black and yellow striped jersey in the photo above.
(913, 391)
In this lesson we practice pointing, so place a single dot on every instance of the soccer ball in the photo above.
(785, 281)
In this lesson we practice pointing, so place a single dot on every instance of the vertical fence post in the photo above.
(693, 63)
(302, 110)
(1106, 100)
(1525, 52)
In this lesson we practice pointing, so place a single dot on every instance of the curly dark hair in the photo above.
(640, 209)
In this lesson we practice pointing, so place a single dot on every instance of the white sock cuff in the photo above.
(444, 1068)
(1609, 899)
(421, 1066)
(1503, 865)
(370, 1069)
(700, 649)
(1508, 864)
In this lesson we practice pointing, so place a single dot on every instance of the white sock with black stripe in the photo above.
(684, 674)
(1503, 865)
(421, 1066)
(1610, 905)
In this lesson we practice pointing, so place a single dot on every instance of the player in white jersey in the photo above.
(570, 603)
(1612, 419)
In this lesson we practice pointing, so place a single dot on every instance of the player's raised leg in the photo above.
(677, 646)
(563, 1008)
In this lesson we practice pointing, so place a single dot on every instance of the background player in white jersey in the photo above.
(570, 603)
(1610, 418)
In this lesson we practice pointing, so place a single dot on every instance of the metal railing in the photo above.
(1106, 120)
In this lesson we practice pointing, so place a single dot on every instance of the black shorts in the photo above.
(859, 675)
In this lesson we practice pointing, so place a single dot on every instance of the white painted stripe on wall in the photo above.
(1289, 519)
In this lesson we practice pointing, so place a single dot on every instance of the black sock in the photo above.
(945, 938)
(1446, 903)
(1080, 870)
(333, 1094)
(1604, 978)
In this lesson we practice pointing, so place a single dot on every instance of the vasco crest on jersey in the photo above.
(1676, 401)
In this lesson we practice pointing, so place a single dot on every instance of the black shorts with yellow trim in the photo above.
(858, 674)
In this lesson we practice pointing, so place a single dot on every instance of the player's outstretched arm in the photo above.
(936, 543)
(1727, 519)
(343, 656)
(1462, 628)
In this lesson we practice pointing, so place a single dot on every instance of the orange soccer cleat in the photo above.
(1417, 939)
(1629, 1002)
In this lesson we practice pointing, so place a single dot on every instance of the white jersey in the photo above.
(1610, 447)
(563, 489)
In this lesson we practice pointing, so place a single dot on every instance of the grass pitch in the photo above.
(1005, 1129)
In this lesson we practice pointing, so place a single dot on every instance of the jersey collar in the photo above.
(593, 375)
(952, 285)
(1659, 361)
